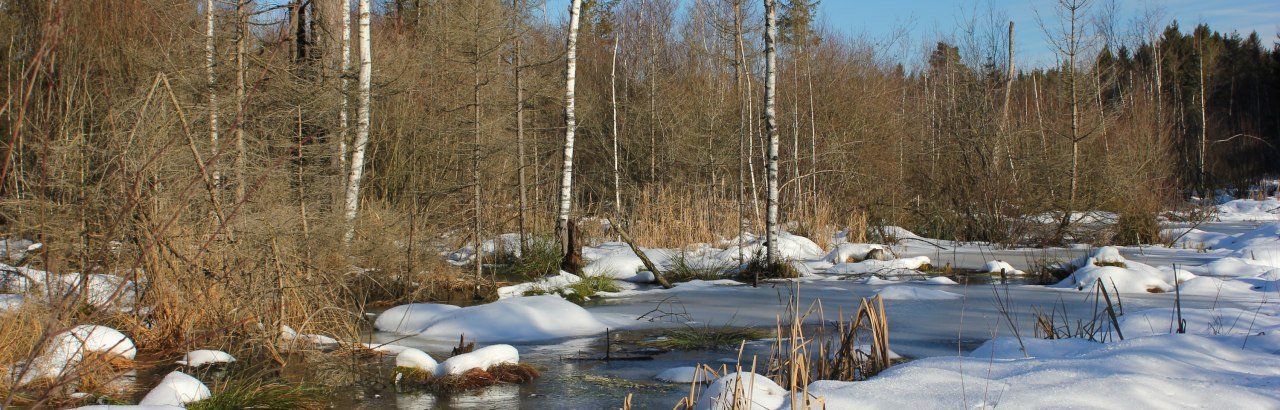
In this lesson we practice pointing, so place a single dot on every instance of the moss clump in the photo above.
(261, 393)
(579, 292)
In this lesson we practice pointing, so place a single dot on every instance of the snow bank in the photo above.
(900, 292)
(789, 247)
(851, 252)
(685, 375)
(763, 393)
(291, 338)
(525, 319)
(411, 318)
(482, 358)
(1182, 371)
(197, 358)
(101, 291)
(998, 266)
(1008, 347)
(1127, 277)
(10, 302)
(939, 280)
(889, 267)
(1249, 210)
(1220, 321)
(1193, 238)
(65, 350)
(616, 260)
(1260, 246)
(548, 284)
(177, 389)
(1230, 266)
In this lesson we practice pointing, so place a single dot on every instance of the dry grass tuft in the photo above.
(471, 380)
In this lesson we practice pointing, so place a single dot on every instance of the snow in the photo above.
(523, 319)
(685, 375)
(1261, 246)
(103, 291)
(997, 266)
(1230, 267)
(763, 393)
(10, 302)
(1209, 286)
(850, 252)
(889, 267)
(482, 358)
(547, 284)
(616, 260)
(65, 350)
(1219, 321)
(386, 348)
(177, 389)
(1179, 371)
(939, 280)
(1193, 238)
(1129, 277)
(411, 318)
(292, 337)
(1249, 210)
(1008, 347)
(197, 358)
(789, 247)
(900, 292)
(417, 359)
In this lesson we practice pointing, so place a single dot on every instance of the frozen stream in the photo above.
(918, 328)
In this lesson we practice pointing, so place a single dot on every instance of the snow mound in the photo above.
(417, 359)
(1180, 371)
(721, 393)
(482, 358)
(1208, 286)
(1259, 246)
(65, 350)
(939, 280)
(998, 266)
(525, 319)
(1117, 274)
(900, 292)
(197, 358)
(616, 260)
(889, 267)
(1193, 238)
(292, 338)
(1220, 321)
(789, 247)
(1007, 347)
(851, 252)
(1230, 266)
(1249, 210)
(177, 389)
(548, 284)
(386, 348)
(411, 318)
(10, 302)
(684, 375)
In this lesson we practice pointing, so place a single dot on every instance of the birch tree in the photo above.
(613, 129)
(517, 60)
(570, 124)
(242, 32)
(770, 129)
(362, 124)
(210, 66)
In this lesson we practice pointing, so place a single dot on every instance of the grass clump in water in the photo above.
(581, 291)
(682, 270)
(706, 338)
(507, 373)
(261, 393)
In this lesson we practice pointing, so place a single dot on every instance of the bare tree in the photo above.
(242, 34)
(570, 124)
(210, 66)
(345, 66)
(352, 205)
(521, 168)
(613, 129)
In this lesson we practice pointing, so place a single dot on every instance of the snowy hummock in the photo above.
(524, 319)
(417, 359)
(197, 358)
(900, 292)
(103, 291)
(1174, 371)
(177, 389)
(1249, 210)
(889, 267)
(998, 266)
(851, 252)
(293, 338)
(685, 374)
(790, 246)
(482, 358)
(1127, 277)
(10, 302)
(764, 394)
(65, 350)
(1219, 321)
(411, 318)
(939, 280)
(547, 284)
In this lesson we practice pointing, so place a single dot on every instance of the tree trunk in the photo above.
(344, 68)
(570, 125)
(770, 129)
(241, 49)
(613, 107)
(362, 124)
(210, 53)
(744, 136)
(477, 235)
(520, 154)
(1201, 175)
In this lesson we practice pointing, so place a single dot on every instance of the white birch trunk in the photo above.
(570, 125)
(362, 124)
(344, 83)
(210, 64)
(770, 129)
(613, 107)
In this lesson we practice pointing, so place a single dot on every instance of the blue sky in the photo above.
(929, 20)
